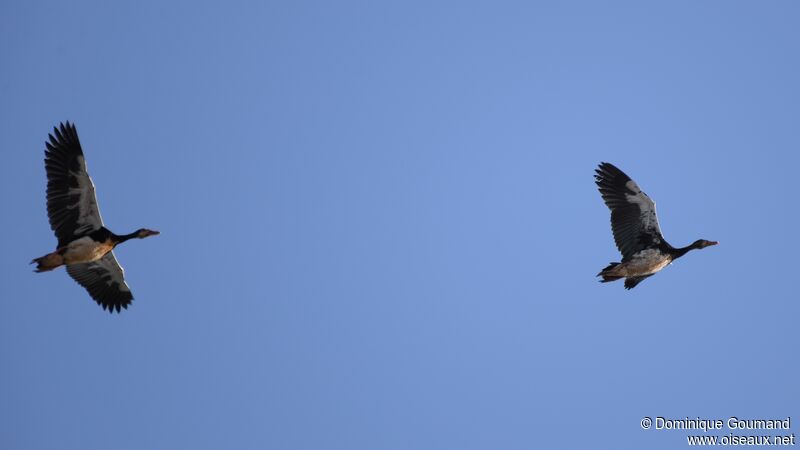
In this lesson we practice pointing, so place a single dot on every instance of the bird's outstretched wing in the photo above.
(105, 281)
(71, 201)
(633, 214)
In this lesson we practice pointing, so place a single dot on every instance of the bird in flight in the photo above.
(85, 245)
(635, 228)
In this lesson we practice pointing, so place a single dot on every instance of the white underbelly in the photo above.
(85, 249)
(648, 262)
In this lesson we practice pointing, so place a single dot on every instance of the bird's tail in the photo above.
(610, 273)
(47, 262)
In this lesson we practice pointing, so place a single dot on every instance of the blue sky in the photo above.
(380, 228)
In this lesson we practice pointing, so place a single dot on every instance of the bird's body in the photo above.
(88, 248)
(645, 262)
(637, 234)
(85, 245)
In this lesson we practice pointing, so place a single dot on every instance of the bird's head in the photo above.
(142, 233)
(702, 243)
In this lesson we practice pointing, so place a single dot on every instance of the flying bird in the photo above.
(85, 245)
(635, 228)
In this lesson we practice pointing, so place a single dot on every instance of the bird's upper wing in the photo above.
(105, 281)
(633, 213)
(71, 201)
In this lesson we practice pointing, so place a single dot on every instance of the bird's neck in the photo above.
(678, 252)
(118, 239)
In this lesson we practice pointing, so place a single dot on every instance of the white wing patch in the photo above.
(88, 213)
(647, 207)
(109, 262)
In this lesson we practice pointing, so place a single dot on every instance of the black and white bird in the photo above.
(84, 244)
(636, 231)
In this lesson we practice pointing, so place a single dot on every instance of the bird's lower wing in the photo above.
(105, 281)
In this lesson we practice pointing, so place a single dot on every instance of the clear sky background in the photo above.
(380, 228)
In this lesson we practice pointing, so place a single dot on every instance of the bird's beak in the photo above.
(154, 233)
(709, 242)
